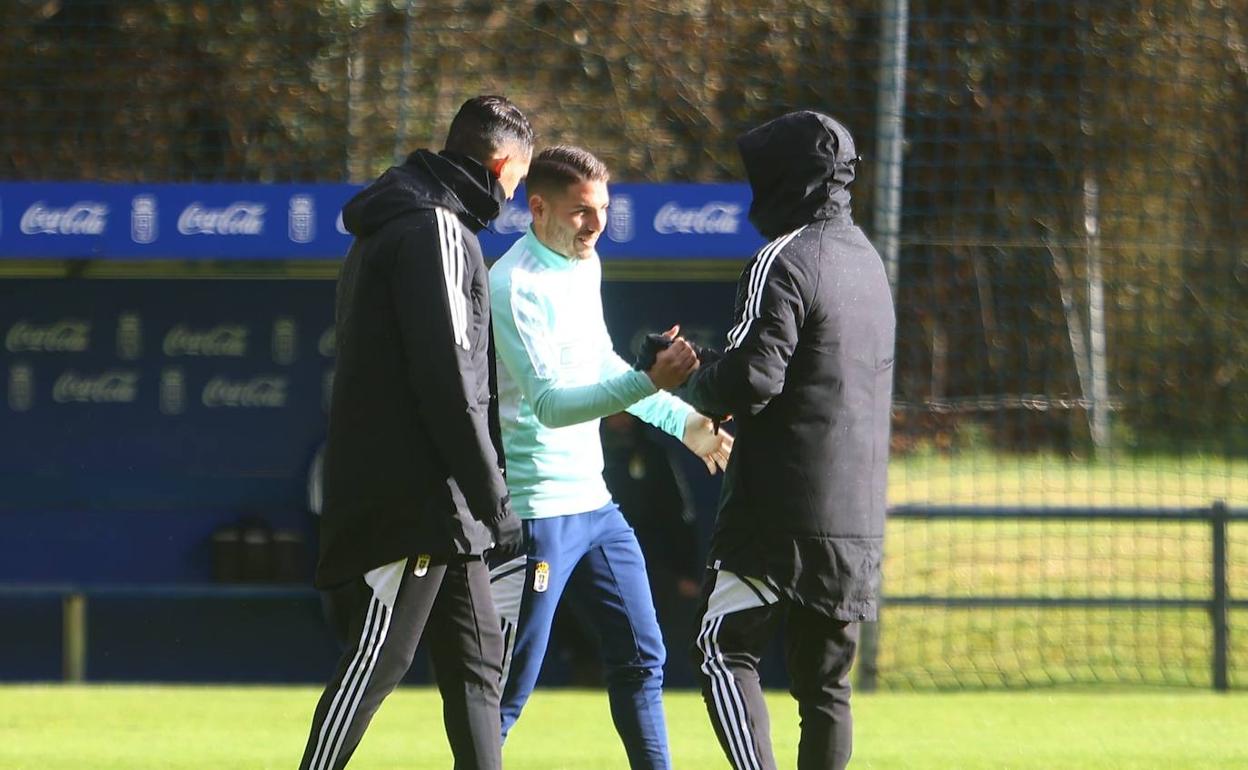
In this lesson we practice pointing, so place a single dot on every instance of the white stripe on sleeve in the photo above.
(758, 281)
(452, 248)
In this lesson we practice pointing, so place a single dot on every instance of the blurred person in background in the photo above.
(807, 375)
(649, 483)
(558, 376)
(413, 487)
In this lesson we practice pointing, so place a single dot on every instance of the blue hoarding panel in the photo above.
(285, 221)
(139, 416)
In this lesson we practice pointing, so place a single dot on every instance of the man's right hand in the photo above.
(508, 539)
(674, 364)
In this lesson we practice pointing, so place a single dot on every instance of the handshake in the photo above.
(669, 359)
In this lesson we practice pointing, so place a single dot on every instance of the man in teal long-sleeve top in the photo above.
(558, 376)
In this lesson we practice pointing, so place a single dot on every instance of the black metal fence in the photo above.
(1059, 187)
(1071, 596)
(1162, 623)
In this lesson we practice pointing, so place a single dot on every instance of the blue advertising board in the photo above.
(137, 415)
(291, 221)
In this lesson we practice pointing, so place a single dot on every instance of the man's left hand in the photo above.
(702, 438)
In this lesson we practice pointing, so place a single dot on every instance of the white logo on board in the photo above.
(143, 225)
(172, 391)
(301, 222)
(238, 218)
(620, 227)
(285, 340)
(21, 387)
(712, 218)
(114, 386)
(220, 340)
(129, 336)
(257, 392)
(67, 335)
(79, 218)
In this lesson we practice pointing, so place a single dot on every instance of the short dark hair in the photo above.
(557, 168)
(486, 124)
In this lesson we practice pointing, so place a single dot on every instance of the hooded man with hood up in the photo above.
(807, 377)
(414, 495)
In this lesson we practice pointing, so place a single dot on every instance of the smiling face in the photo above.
(569, 222)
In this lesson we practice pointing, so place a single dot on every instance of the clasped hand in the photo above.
(674, 362)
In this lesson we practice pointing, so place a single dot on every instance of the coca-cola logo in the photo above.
(257, 392)
(220, 340)
(513, 219)
(68, 335)
(240, 218)
(79, 218)
(110, 387)
(712, 218)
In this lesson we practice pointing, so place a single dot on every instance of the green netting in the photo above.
(1069, 241)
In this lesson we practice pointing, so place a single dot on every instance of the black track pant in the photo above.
(379, 619)
(739, 616)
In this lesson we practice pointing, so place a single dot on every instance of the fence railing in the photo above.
(74, 600)
(1216, 600)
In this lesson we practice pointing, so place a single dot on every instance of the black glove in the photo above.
(706, 356)
(651, 346)
(508, 540)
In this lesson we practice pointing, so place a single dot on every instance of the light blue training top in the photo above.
(558, 375)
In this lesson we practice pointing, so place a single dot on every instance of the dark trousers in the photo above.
(739, 615)
(379, 618)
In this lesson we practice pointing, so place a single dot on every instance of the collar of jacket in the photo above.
(477, 191)
(426, 180)
(800, 166)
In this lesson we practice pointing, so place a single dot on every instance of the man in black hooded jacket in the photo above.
(413, 489)
(807, 376)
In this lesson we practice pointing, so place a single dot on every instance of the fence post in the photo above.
(1220, 607)
(890, 129)
(74, 637)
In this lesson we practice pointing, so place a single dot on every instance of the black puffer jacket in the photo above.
(807, 376)
(412, 459)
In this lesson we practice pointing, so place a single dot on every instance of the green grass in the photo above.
(986, 478)
(193, 728)
(991, 647)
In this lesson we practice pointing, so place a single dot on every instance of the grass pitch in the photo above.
(953, 647)
(993, 478)
(194, 728)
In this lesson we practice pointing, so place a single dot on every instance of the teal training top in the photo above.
(558, 375)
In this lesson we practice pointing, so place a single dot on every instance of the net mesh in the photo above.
(1071, 271)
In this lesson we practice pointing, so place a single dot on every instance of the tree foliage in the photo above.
(1042, 137)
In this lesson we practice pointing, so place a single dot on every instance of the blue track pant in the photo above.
(595, 558)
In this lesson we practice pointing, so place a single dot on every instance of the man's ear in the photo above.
(537, 205)
(496, 165)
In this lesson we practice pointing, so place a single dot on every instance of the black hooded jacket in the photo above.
(807, 377)
(412, 462)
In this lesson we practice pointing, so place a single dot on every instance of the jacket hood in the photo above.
(800, 166)
(427, 180)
